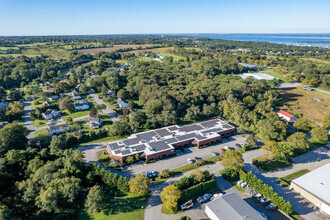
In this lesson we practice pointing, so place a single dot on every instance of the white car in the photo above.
(190, 160)
(226, 147)
(187, 205)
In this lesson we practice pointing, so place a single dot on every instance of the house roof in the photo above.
(121, 101)
(316, 182)
(55, 127)
(231, 206)
(287, 114)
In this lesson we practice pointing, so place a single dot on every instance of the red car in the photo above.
(223, 150)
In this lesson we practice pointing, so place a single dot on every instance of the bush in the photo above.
(200, 162)
(185, 218)
(129, 160)
(197, 190)
(229, 174)
(165, 174)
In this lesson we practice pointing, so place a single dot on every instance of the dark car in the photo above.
(238, 145)
(223, 150)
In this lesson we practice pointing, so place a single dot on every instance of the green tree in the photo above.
(303, 124)
(58, 144)
(320, 133)
(252, 141)
(13, 136)
(326, 121)
(164, 174)
(232, 160)
(3, 93)
(170, 196)
(83, 89)
(93, 113)
(4, 212)
(95, 199)
(285, 151)
(139, 184)
(198, 175)
(129, 160)
(104, 91)
(298, 141)
(65, 103)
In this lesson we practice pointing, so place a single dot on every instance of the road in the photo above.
(293, 85)
(28, 121)
(107, 110)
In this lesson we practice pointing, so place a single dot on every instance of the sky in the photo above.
(82, 17)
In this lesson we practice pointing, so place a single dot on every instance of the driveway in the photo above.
(28, 121)
(294, 85)
(107, 110)
(311, 161)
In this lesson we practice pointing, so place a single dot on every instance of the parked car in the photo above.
(238, 145)
(190, 160)
(154, 173)
(215, 153)
(216, 195)
(264, 200)
(226, 148)
(223, 150)
(204, 198)
(270, 207)
(149, 174)
(187, 205)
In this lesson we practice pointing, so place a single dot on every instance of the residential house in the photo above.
(94, 122)
(160, 56)
(53, 97)
(58, 129)
(122, 103)
(3, 105)
(112, 93)
(286, 116)
(112, 69)
(41, 84)
(49, 89)
(81, 105)
(50, 114)
(75, 95)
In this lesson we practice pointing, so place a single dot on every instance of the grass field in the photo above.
(113, 48)
(41, 132)
(164, 51)
(274, 74)
(299, 101)
(39, 123)
(119, 207)
(294, 175)
(317, 60)
(8, 48)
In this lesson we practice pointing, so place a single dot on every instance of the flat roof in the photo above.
(231, 206)
(165, 138)
(317, 182)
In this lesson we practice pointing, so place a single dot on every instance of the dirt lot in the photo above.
(113, 48)
(307, 103)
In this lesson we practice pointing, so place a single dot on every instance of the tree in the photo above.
(233, 160)
(320, 133)
(95, 199)
(139, 184)
(13, 136)
(129, 160)
(170, 196)
(303, 124)
(198, 175)
(252, 141)
(4, 212)
(164, 174)
(3, 93)
(270, 149)
(104, 91)
(185, 218)
(93, 112)
(83, 89)
(58, 144)
(298, 141)
(192, 113)
(326, 121)
(65, 103)
(285, 151)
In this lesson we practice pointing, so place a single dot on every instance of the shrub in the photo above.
(197, 190)
(129, 160)
(229, 174)
(165, 174)
(200, 162)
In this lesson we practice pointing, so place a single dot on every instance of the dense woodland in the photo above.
(50, 181)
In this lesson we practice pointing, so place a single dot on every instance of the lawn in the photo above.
(295, 175)
(317, 60)
(78, 113)
(269, 165)
(275, 74)
(39, 123)
(103, 157)
(301, 101)
(119, 207)
(104, 140)
(164, 51)
(41, 132)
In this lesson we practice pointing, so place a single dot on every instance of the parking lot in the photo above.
(182, 156)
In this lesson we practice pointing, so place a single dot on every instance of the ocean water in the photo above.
(289, 39)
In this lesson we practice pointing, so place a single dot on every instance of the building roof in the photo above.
(231, 206)
(287, 114)
(121, 101)
(164, 139)
(317, 182)
(55, 127)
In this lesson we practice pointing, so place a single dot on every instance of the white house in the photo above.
(50, 114)
(94, 122)
(122, 103)
(57, 129)
(81, 105)
(75, 95)
(286, 116)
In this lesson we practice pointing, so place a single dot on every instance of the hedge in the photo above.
(197, 190)
(266, 190)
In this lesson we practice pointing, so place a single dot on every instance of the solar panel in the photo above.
(159, 145)
(114, 146)
(163, 132)
(210, 124)
(125, 152)
(140, 147)
(186, 137)
(227, 126)
(117, 151)
(146, 136)
(212, 130)
(190, 128)
(173, 128)
(171, 140)
(131, 141)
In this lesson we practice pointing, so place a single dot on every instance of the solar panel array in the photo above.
(125, 152)
(173, 128)
(210, 124)
(159, 146)
(146, 136)
(114, 146)
(227, 126)
(140, 147)
(190, 128)
(163, 132)
(131, 141)
(212, 130)
(186, 137)
(171, 140)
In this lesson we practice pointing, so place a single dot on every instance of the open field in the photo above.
(128, 207)
(113, 48)
(274, 74)
(164, 51)
(300, 101)
(316, 60)
(7, 48)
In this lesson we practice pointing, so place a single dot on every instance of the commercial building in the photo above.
(231, 206)
(315, 187)
(163, 142)
(286, 116)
